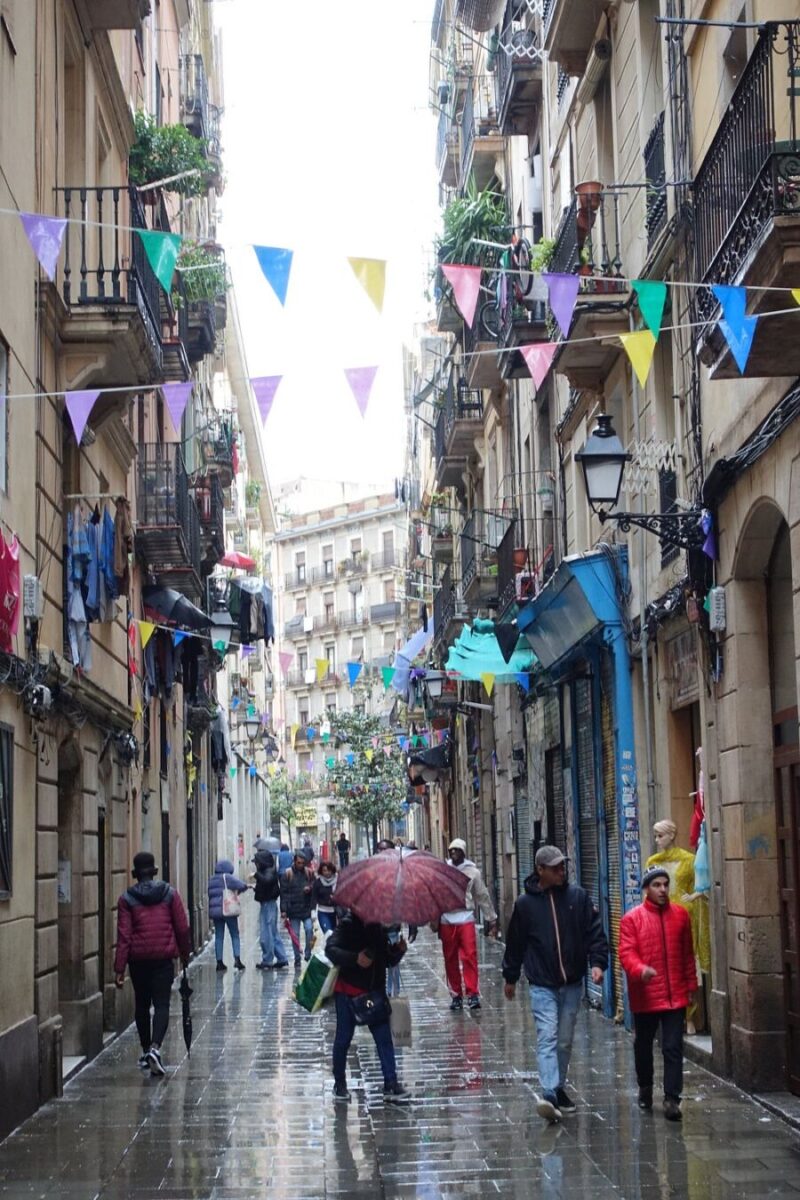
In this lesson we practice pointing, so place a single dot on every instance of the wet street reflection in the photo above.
(251, 1115)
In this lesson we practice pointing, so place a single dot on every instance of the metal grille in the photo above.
(609, 769)
(655, 174)
(588, 843)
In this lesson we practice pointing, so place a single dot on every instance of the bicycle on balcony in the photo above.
(509, 283)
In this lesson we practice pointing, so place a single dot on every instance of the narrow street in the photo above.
(250, 1114)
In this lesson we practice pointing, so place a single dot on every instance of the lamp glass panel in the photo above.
(603, 480)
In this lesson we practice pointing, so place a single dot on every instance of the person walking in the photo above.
(656, 953)
(362, 953)
(297, 902)
(222, 879)
(307, 850)
(322, 896)
(285, 858)
(267, 894)
(343, 850)
(457, 931)
(152, 931)
(555, 929)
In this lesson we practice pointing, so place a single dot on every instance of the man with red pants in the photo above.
(655, 949)
(457, 931)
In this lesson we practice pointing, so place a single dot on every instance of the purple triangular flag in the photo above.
(79, 405)
(176, 396)
(361, 380)
(265, 387)
(563, 292)
(45, 235)
(707, 525)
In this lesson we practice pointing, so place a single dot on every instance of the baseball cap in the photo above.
(549, 856)
(458, 844)
(144, 864)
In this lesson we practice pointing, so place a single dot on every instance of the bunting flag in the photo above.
(738, 328)
(220, 646)
(322, 666)
(294, 731)
(354, 669)
(361, 380)
(251, 710)
(178, 636)
(640, 348)
(79, 405)
(138, 711)
(176, 397)
(538, 359)
(276, 263)
(796, 295)
(146, 631)
(652, 297)
(350, 759)
(330, 763)
(563, 293)
(233, 772)
(368, 755)
(246, 651)
(235, 702)
(466, 285)
(45, 235)
(387, 673)
(272, 768)
(523, 679)
(265, 387)
(487, 678)
(310, 733)
(371, 274)
(375, 743)
(285, 658)
(387, 750)
(709, 546)
(162, 253)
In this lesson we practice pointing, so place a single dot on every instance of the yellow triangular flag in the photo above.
(272, 768)
(295, 729)
(322, 668)
(137, 712)
(146, 631)
(796, 295)
(371, 274)
(368, 755)
(488, 682)
(639, 347)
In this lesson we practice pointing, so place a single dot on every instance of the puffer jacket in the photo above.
(553, 933)
(344, 945)
(223, 877)
(151, 924)
(661, 938)
(296, 901)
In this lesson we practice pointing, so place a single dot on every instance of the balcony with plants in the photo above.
(518, 69)
(218, 439)
(480, 537)
(204, 280)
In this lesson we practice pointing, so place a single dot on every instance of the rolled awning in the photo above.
(480, 15)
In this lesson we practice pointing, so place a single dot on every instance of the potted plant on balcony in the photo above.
(204, 282)
(163, 151)
(252, 493)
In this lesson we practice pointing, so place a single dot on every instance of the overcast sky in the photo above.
(329, 151)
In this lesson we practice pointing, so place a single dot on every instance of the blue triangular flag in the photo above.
(523, 680)
(350, 759)
(353, 672)
(738, 328)
(178, 636)
(276, 264)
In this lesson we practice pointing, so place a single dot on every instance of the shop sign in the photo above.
(682, 663)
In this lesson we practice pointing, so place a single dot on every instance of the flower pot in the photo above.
(520, 558)
(589, 195)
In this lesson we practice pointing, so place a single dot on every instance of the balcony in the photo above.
(352, 620)
(105, 15)
(216, 446)
(747, 209)
(110, 324)
(507, 568)
(458, 424)
(387, 560)
(441, 531)
(383, 614)
(299, 626)
(523, 324)
(174, 334)
(587, 243)
(304, 678)
(570, 27)
(519, 75)
(211, 511)
(194, 95)
(449, 610)
(327, 621)
(481, 141)
(167, 523)
(655, 174)
(448, 318)
(480, 537)
(447, 150)
(358, 564)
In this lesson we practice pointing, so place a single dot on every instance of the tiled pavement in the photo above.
(249, 1115)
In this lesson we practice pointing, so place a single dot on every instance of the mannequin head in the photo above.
(665, 833)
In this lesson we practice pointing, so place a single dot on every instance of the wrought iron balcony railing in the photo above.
(478, 118)
(168, 525)
(587, 243)
(656, 176)
(194, 95)
(480, 537)
(390, 611)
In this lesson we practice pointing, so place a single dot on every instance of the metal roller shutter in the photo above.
(589, 851)
(524, 833)
(611, 810)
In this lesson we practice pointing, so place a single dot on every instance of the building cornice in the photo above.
(359, 518)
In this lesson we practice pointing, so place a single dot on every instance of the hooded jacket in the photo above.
(267, 883)
(223, 877)
(344, 945)
(151, 924)
(552, 934)
(651, 936)
(295, 901)
(477, 893)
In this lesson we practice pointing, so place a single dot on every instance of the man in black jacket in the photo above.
(267, 892)
(297, 903)
(555, 928)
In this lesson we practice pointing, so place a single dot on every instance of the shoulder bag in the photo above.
(372, 1008)
(231, 904)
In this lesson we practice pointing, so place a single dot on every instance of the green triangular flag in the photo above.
(233, 772)
(220, 647)
(388, 675)
(652, 297)
(162, 252)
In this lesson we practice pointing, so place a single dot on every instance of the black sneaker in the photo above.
(672, 1109)
(473, 1002)
(238, 964)
(646, 1098)
(395, 1093)
(564, 1102)
(281, 966)
(221, 965)
(456, 1004)
(154, 1061)
(548, 1108)
(143, 1063)
(340, 1093)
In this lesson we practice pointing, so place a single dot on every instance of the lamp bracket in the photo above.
(681, 529)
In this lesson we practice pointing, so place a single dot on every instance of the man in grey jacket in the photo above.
(457, 931)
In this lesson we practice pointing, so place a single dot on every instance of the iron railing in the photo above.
(163, 500)
(194, 95)
(506, 567)
(390, 611)
(356, 565)
(481, 535)
(467, 130)
(479, 115)
(588, 242)
(444, 603)
(521, 37)
(385, 560)
(352, 620)
(656, 175)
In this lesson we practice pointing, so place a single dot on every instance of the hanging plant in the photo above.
(161, 151)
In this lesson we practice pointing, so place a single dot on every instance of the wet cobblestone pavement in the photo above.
(250, 1113)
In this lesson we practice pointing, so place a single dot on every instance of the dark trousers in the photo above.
(152, 983)
(345, 1028)
(645, 1027)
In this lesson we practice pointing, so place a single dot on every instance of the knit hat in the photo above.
(549, 856)
(458, 844)
(144, 864)
(653, 873)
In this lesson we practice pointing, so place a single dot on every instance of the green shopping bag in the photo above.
(316, 983)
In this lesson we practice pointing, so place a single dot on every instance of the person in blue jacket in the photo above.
(223, 878)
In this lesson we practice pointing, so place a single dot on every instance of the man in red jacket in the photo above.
(655, 949)
(152, 931)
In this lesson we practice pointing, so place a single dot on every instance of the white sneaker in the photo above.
(154, 1061)
(143, 1063)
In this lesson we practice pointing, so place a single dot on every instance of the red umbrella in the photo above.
(234, 559)
(401, 886)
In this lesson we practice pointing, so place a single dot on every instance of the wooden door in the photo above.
(787, 815)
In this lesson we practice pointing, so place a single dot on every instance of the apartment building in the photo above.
(627, 149)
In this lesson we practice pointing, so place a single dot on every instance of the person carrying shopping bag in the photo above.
(224, 908)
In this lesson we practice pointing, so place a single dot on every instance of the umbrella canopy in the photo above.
(167, 604)
(401, 886)
(234, 559)
(186, 992)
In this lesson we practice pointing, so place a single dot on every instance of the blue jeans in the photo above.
(308, 925)
(269, 935)
(345, 1028)
(554, 1011)
(219, 935)
(327, 921)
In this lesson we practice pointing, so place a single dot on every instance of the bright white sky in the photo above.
(329, 151)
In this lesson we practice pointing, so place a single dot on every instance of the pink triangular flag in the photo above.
(361, 380)
(45, 235)
(176, 397)
(265, 387)
(466, 285)
(285, 658)
(538, 359)
(79, 405)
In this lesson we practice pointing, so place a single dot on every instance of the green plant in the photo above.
(202, 273)
(474, 215)
(161, 151)
(252, 493)
(542, 254)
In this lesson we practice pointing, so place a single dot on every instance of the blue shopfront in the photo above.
(578, 628)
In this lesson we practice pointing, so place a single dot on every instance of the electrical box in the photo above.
(717, 612)
(32, 598)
